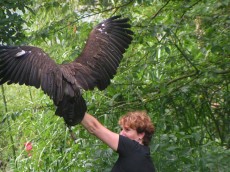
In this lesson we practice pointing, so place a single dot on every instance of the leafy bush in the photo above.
(177, 69)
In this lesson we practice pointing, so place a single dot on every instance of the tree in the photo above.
(177, 69)
(11, 24)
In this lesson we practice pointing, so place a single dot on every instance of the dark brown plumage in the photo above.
(95, 67)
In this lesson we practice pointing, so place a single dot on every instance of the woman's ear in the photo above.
(141, 135)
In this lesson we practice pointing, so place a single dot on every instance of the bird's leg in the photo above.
(72, 134)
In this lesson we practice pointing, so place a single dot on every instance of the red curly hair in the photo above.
(139, 121)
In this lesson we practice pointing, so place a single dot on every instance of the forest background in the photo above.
(177, 69)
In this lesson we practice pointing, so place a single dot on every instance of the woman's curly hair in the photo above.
(141, 122)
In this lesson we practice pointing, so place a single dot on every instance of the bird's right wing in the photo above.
(104, 49)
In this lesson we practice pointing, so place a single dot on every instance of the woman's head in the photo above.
(139, 121)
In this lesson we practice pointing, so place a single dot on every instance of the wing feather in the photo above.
(23, 77)
(16, 71)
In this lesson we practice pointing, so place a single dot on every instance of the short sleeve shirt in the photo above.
(133, 157)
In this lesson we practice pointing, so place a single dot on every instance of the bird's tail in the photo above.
(72, 109)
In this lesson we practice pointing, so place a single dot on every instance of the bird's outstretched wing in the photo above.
(103, 52)
(95, 67)
(31, 66)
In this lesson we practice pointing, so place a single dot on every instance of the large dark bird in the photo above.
(95, 67)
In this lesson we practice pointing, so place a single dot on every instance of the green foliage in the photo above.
(177, 69)
(11, 24)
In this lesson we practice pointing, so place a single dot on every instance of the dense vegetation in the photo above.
(177, 68)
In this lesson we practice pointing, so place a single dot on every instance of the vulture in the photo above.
(63, 83)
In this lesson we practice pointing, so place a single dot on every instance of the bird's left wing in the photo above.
(31, 66)
(102, 53)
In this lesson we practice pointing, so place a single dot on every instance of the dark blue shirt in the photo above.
(133, 157)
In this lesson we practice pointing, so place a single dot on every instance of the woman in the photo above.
(132, 142)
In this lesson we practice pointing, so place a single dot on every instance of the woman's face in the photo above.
(131, 134)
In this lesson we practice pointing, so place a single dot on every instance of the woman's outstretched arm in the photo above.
(96, 128)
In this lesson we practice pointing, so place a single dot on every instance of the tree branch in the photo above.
(186, 56)
(223, 72)
(181, 18)
(158, 12)
(181, 77)
(61, 21)
(89, 15)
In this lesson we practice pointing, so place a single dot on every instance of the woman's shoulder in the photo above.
(127, 145)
